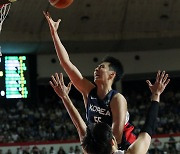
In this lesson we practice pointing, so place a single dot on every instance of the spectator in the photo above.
(71, 150)
(52, 151)
(61, 151)
(35, 150)
(172, 145)
(77, 150)
(9, 152)
(19, 151)
(43, 151)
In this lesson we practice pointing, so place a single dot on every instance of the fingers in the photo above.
(162, 76)
(61, 79)
(69, 86)
(54, 81)
(57, 23)
(44, 13)
(149, 83)
(47, 18)
(57, 83)
(158, 76)
(167, 81)
(165, 78)
(59, 20)
(47, 14)
(52, 85)
(57, 79)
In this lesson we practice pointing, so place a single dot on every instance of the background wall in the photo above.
(156, 142)
(133, 62)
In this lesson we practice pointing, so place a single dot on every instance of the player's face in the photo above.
(102, 72)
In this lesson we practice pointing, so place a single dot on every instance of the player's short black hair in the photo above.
(116, 66)
(98, 139)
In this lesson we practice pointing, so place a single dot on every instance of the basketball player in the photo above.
(102, 103)
(98, 138)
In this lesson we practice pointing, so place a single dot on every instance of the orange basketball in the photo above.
(60, 3)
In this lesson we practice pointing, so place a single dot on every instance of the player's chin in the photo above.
(97, 80)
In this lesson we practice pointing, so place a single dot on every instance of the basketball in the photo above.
(60, 3)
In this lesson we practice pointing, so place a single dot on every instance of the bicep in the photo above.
(119, 110)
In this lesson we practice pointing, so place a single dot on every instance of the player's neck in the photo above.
(103, 90)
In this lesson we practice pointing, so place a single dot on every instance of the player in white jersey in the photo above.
(98, 138)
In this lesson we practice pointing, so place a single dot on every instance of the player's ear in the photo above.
(112, 74)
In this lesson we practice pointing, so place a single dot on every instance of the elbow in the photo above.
(118, 132)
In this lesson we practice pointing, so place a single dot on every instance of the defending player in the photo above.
(98, 138)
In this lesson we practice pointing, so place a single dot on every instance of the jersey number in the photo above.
(97, 119)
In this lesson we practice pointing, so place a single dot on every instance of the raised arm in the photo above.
(62, 91)
(141, 145)
(158, 87)
(82, 84)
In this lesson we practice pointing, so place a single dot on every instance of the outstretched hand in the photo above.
(160, 84)
(58, 85)
(52, 24)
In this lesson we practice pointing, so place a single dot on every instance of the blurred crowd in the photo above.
(168, 119)
(43, 150)
(48, 119)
